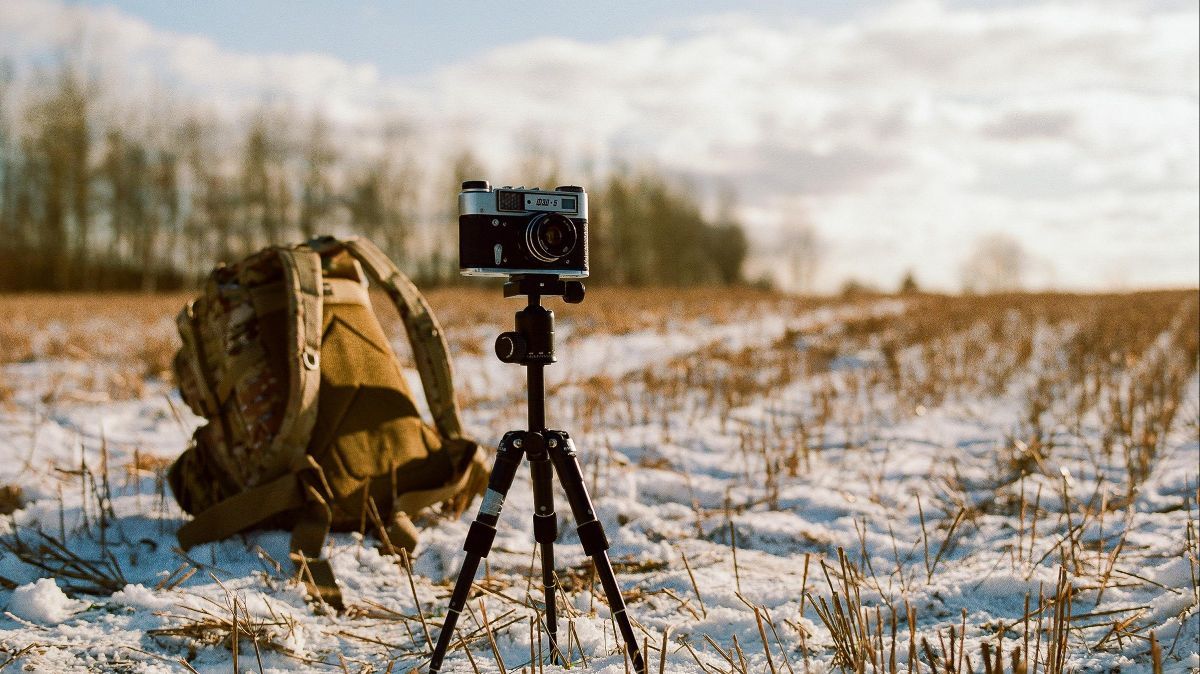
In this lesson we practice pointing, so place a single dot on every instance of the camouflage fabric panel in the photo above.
(194, 482)
(189, 387)
(242, 351)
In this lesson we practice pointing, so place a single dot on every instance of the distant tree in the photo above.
(728, 251)
(262, 209)
(442, 263)
(728, 245)
(317, 196)
(539, 165)
(802, 246)
(146, 200)
(853, 288)
(57, 152)
(465, 166)
(908, 284)
(113, 174)
(11, 235)
(366, 200)
(997, 264)
(645, 231)
(210, 229)
(161, 220)
(401, 193)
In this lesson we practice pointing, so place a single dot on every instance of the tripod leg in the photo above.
(545, 531)
(591, 536)
(480, 537)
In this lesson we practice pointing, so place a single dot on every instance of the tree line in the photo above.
(91, 202)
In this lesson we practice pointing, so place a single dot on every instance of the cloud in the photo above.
(1034, 124)
(902, 134)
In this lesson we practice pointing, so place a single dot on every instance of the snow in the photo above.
(668, 484)
(43, 602)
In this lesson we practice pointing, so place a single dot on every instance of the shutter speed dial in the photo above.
(511, 347)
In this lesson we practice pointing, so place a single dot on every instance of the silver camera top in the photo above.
(480, 198)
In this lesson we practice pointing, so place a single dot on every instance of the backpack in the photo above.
(311, 424)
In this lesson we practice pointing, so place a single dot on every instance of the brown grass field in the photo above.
(1079, 398)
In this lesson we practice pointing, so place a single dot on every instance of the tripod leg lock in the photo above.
(545, 528)
(592, 538)
(479, 539)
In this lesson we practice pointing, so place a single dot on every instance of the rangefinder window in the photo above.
(509, 201)
(507, 231)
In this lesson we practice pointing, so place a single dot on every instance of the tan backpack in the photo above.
(311, 425)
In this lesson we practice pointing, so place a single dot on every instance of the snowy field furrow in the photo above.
(779, 488)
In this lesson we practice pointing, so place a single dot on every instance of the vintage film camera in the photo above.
(514, 230)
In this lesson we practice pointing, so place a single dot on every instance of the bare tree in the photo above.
(316, 199)
(539, 165)
(729, 246)
(260, 209)
(11, 235)
(802, 245)
(997, 264)
(59, 139)
(162, 219)
(164, 201)
(442, 262)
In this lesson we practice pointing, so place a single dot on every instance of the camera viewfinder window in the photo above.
(508, 201)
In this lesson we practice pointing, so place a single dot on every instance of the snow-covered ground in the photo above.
(730, 459)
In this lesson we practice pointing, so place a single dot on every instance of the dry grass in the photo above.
(1097, 379)
(12, 498)
(54, 556)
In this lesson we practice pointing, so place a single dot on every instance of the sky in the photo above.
(901, 133)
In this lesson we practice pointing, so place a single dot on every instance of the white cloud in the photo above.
(904, 134)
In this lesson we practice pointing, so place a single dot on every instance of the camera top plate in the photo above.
(476, 199)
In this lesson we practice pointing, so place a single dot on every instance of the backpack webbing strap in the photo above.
(308, 537)
(242, 511)
(302, 286)
(255, 505)
(412, 502)
(424, 333)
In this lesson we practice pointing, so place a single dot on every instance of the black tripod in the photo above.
(548, 451)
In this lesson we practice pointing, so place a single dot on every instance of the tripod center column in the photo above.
(535, 324)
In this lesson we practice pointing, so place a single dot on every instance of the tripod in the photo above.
(548, 452)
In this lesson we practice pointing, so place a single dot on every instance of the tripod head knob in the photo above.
(572, 292)
(511, 347)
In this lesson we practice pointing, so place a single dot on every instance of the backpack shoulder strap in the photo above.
(302, 288)
(424, 333)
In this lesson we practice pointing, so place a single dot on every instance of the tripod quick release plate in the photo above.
(544, 285)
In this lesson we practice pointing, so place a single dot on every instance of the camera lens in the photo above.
(550, 236)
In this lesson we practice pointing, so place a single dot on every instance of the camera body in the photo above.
(514, 230)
